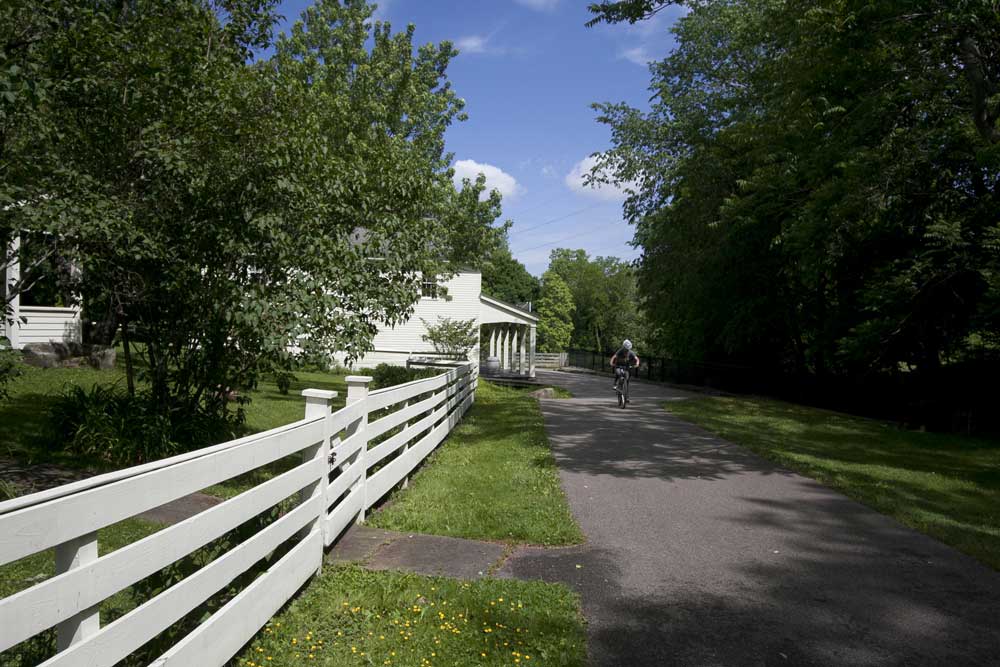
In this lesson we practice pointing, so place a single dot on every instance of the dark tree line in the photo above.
(819, 186)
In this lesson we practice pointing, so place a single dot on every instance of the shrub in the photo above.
(386, 375)
(10, 367)
(104, 422)
(284, 380)
(453, 338)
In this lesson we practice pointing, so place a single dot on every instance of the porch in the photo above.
(507, 334)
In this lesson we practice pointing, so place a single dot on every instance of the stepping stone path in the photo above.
(431, 555)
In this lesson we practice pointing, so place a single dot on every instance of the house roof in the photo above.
(505, 312)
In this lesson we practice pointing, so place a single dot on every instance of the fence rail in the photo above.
(350, 457)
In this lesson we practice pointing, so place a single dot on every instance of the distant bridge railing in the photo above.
(350, 458)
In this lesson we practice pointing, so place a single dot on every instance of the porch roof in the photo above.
(495, 311)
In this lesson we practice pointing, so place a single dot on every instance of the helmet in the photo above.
(627, 344)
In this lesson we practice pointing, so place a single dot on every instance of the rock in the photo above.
(102, 358)
(40, 358)
(67, 349)
(547, 392)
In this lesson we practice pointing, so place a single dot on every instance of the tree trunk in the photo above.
(129, 368)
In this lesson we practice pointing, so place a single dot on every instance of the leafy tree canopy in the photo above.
(818, 182)
(555, 314)
(213, 202)
(605, 296)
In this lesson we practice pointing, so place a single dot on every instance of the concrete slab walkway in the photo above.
(700, 553)
(432, 555)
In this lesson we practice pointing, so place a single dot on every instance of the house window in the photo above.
(429, 289)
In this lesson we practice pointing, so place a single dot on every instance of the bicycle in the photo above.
(622, 375)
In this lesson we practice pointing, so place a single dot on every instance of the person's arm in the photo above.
(612, 362)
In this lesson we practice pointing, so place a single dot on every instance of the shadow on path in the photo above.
(700, 553)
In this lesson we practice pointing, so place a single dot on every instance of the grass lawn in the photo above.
(947, 486)
(25, 437)
(494, 478)
(350, 616)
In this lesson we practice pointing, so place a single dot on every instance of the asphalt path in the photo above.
(700, 553)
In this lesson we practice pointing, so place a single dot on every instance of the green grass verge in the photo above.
(350, 616)
(494, 478)
(947, 486)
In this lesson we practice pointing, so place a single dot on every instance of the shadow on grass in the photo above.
(945, 485)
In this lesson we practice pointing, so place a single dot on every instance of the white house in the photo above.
(505, 331)
(36, 324)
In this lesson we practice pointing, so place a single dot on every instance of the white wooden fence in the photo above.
(342, 474)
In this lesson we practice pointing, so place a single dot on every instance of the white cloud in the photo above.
(472, 44)
(496, 178)
(576, 182)
(539, 5)
(548, 171)
(639, 55)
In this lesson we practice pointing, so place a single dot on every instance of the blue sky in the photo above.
(528, 71)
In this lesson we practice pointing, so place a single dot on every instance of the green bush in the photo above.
(386, 375)
(10, 367)
(104, 422)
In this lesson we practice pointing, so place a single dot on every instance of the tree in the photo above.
(815, 183)
(605, 298)
(507, 279)
(214, 203)
(453, 338)
(555, 314)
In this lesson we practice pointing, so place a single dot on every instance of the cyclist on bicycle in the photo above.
(623, 361)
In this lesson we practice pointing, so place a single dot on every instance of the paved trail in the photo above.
(700, 553)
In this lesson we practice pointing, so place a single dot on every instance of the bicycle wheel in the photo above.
(623, 393)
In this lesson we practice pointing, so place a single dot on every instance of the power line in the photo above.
(554, 220)
(568, 238)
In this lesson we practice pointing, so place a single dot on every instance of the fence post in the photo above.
(357, 390)
(318, 404)
(69, 556)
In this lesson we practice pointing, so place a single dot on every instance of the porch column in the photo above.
(531, 351)
(507, 339)
(514, 367)
(522, 366)
(493, 340)
(503, 348)
(13, 275)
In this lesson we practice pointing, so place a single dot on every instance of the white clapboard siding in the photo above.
(32, 529)
(64, 595)
(395, 345)
(328, 441)
(47, 324)
(116, 640)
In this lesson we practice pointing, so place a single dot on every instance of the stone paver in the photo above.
(700, 553)
(438, 556)
(359, 544)
(433, 555)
